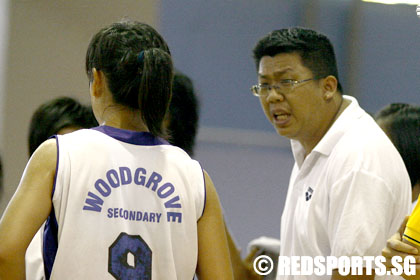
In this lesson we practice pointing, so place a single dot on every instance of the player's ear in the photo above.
(97, 85)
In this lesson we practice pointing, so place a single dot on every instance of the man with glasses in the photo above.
(349, 189)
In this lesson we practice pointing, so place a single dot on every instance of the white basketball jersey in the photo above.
(126, 206)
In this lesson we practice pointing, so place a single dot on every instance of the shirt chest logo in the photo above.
(308, 194)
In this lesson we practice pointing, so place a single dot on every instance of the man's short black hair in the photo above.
(314, 48)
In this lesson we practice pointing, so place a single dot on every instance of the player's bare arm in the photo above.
(213, 252)
(28, 209)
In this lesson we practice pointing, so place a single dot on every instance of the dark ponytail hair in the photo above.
(401, 123)
(138, 67)
(157, 79)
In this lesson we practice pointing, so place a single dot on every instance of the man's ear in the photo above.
(329, 86)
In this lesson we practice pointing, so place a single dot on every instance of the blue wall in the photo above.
(389, 55)
(211, 41)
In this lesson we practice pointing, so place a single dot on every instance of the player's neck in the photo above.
(123, 118)
(415, 191)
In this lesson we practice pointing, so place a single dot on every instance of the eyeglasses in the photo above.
(285, 86)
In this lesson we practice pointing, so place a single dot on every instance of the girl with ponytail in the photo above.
(119, 201)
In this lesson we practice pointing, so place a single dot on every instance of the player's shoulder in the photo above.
(46, 154)
(81, 136)
(81, 133)
(176, 151)
(179, 156)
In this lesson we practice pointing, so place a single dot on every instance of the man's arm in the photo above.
(364, 210)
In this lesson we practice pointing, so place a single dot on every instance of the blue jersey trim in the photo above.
(50, 235)
(131, 137)
(205, 192)
(56, 165)
(50, 244)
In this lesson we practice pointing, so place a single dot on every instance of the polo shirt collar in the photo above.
(333, 135)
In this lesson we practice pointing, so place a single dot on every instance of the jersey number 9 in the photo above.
(130, 247)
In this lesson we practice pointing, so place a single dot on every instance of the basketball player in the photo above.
(349, 188)
(64, 115)
(405, 243)
(125, 205)
(401, 123)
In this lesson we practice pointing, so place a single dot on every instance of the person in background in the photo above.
(58, 116)
(183, 114)
(401, 123)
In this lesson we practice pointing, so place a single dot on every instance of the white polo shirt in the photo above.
(348, 196)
